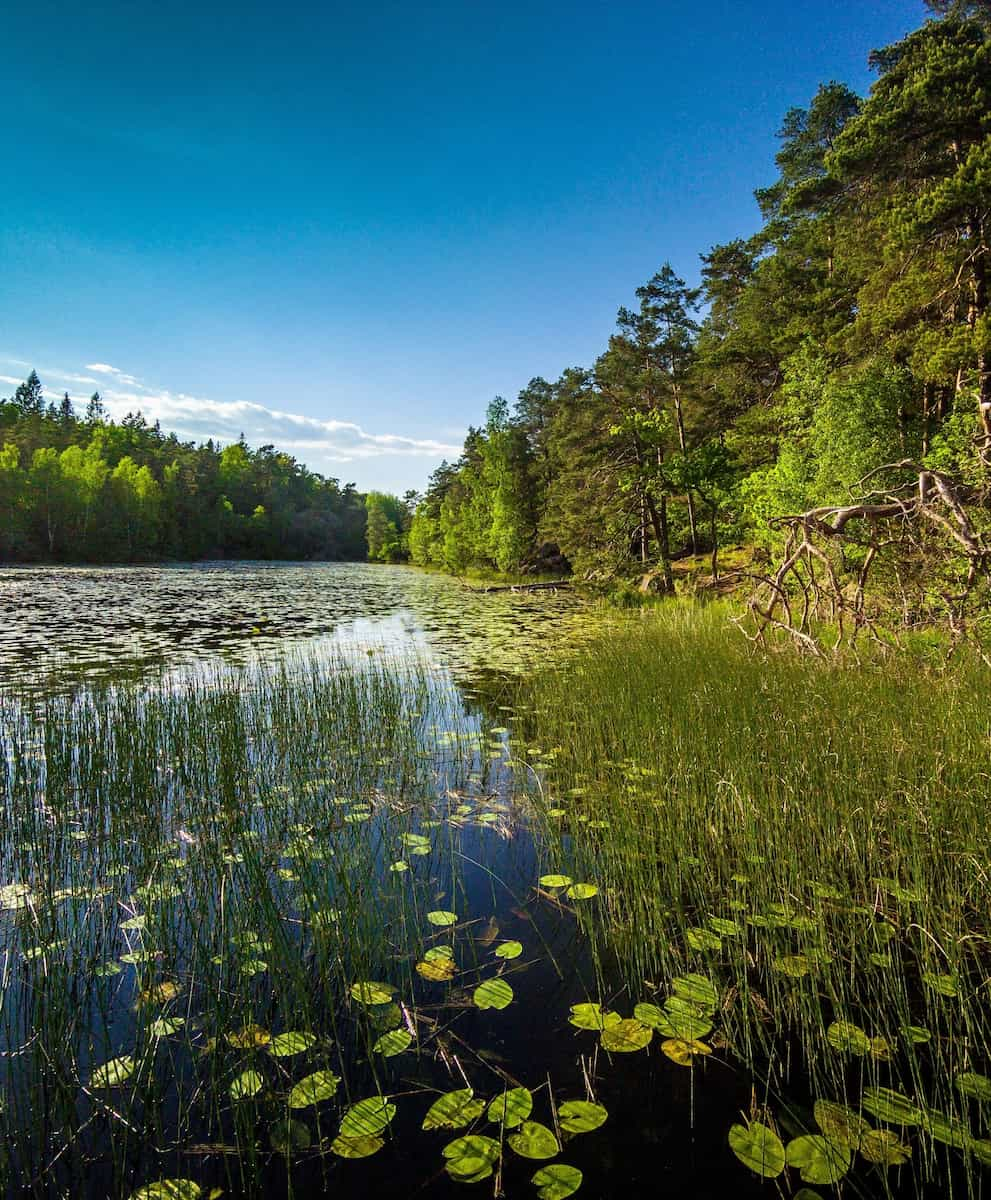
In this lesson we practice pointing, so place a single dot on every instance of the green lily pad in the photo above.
(370, 992)
(582, 891)
(356, 1147)
(840, 1124)
(703, 939)
(533, 1140)
(891, 1106)
(818, 1159)
(883, 1147)
(977, 1087)
(944, 985)
(367, 1117)
(314, 1089)
(592, 1016)
(113, 1073)
(509, 950)
(285, 1045)
(626, 1037)
(442, 918)
(848, 1038)
(511, 1108)
(556, 881)
(581, 1116)
(166, 1026)
(453, 1110)
(169, 1189)
(394, 1042)
(471, 1158)
(493, 993)
(758, 1148)
(697, 989)
(557, 1181)
(246, 1085)
(438, 970)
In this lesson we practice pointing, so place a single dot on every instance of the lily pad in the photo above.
(556, 881)
(891, 1106)
(285, 1045)
(314, 1089)
(592, 1016)
(627, 1036)
(356, 1147)
(289, 1135)
(511, 1108)
(442, 918)
(533, 1140)
(471, 1158)
(169, 1189)
(581, 1116)
(370, 992)
(509, 950)
(453, 1110)
(883, 1147)
(582, 891)
(683, 1051)
(840, 1124)
(113, 1073)
(246, 1085)
(977, 1087)
(758, 1148)
(557, 1181)
(848, 1038)
(698, 989)
(818, 1158)
(493, 993)
(394, 1042)
(440, 970)
(249, 1037)
(367, 1117)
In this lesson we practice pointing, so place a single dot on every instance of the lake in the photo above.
(285, 904)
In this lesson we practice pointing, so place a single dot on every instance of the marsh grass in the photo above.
(815, 839)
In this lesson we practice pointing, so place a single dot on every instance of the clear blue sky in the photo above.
(345, 227)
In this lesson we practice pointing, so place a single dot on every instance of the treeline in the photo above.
(851, 331)
(85, 488)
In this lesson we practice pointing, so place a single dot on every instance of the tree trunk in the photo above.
(682, 442)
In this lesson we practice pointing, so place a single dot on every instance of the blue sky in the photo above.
(343, 228)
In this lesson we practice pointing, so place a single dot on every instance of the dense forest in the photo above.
(84, 488)
(851, 333)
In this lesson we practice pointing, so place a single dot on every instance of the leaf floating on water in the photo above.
(493, 993)
(314, 1089)
(399, 866)
(848, 1038)
(592, 1016)
(367, 1117)
(891, 1106)
(917, 1035)
(453, 1110)
(250, 1037)
(437, 971)
(758, 1148)
(356, 1147)
(724, 927)
(944, 985)
(289, 1135)
(627, 1036)
(557, 1181)
(166, 1026)
(394, 1042)
(169, 1189)
(533, 1140)
(442, 918)
(581, 1116)
(683, 1052)
(978, 1087)
(556, 881)
(113, 1073)
(437, 953)
(285, 1045)
(471, 1158)
(703, 939)
(246, 1085)
(509, 950)
(582, 891)
(159, 993)
(697, 989)
(840, 1124)
(370, 992)
(818, 1159)
(511, 1108)
(883, 1147)
(951, 1131)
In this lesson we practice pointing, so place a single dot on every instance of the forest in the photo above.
(822, 369)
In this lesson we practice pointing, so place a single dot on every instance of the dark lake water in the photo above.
(229, 794)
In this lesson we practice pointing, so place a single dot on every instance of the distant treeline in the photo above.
(852, 330)
(80, 487)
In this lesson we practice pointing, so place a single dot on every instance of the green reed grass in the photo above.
(837, 815)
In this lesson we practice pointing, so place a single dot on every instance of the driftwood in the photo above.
(923, 520)
(522, 587)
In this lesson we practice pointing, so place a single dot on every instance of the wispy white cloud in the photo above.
(321, 444)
